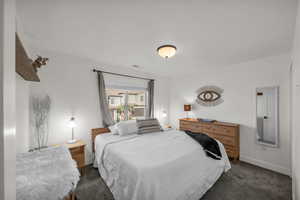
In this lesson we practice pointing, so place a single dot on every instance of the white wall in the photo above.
(7, 102)
(1, 103)
(239, 83)
(72, 87)
(296, 110)
(22, 117)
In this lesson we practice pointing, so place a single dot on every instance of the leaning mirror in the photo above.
(267, 115)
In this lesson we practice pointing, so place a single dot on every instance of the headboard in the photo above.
(97, 131)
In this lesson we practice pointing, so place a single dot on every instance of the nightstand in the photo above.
(77, 151)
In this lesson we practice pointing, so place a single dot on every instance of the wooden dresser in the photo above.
(227, 133)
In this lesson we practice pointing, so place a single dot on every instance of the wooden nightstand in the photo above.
(77, 151)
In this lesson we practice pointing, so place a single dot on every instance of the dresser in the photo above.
(227, 133)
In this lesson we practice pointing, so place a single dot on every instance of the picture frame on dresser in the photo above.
(227, 133)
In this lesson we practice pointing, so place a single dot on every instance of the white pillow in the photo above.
(127, 127)
(114, 129)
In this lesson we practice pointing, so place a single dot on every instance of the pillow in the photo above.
(148, 126)
(127, 127)
(114, 129)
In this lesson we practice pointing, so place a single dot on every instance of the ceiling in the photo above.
(207, 33)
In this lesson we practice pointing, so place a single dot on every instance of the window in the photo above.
(126, 104)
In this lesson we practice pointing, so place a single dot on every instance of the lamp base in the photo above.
(72, 141)
(187, 115)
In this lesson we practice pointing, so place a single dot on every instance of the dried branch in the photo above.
(41, 109)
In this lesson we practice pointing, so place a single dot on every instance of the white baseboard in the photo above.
(266, 165)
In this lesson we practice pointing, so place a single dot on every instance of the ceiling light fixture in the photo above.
(166, 51)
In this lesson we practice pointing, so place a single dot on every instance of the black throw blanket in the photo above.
(210, 145)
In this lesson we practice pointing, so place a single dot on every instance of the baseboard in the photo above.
(266, 165)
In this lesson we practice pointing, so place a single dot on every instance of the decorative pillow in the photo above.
(127, 127)
(114, 129)
(148, 126)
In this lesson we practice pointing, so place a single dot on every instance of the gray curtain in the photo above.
(106, 115)
(150, 107)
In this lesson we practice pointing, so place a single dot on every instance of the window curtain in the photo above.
(105, 113)
(150, 107)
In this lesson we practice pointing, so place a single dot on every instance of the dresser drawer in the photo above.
(223, 139)
(231, 153)
(229, 147)
(185, 128)
(224, 130)
(206, 128)
(79, 158)
(196, 129)
(191, 127)
(77, 150)
(185, 123)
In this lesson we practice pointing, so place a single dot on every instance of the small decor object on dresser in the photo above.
(187, 108)
(209, 96)
(206, 120)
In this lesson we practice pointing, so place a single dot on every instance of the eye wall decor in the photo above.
(209, 96)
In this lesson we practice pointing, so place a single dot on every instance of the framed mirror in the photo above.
(267, 116)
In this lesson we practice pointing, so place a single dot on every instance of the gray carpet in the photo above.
(243, 181)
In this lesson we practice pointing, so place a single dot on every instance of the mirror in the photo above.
(267, 115)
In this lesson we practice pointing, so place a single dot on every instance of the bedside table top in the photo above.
(77, 144)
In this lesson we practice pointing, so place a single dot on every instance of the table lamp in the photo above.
(72, 124)
(187, 108)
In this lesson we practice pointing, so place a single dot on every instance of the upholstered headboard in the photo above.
(97, 131)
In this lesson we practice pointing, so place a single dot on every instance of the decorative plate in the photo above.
(209, 96)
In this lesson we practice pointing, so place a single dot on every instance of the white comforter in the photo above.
(49, 174)
(157, 166)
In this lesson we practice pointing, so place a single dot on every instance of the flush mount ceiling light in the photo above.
(166, 51)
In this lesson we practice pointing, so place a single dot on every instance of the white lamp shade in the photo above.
(72, 123)
(164, 114)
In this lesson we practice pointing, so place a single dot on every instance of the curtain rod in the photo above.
(125, 75)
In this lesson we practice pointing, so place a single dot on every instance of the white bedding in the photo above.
(157, 166)
(49, 174)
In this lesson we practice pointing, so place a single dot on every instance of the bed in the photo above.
(165, 165)
(49, 174)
